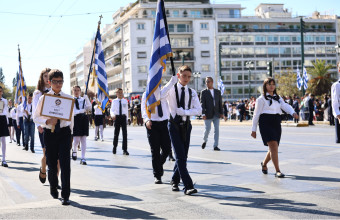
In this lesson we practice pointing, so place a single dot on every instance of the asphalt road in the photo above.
(230, 182)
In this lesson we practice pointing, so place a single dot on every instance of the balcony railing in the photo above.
(273, 30)
(182, 44)
(180, 30)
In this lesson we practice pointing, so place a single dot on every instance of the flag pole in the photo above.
(93, 52)
(167, 32)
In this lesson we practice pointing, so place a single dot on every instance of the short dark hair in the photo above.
(55, 73)
(118, 89)
(76, 86)
(0, 87)
(30, 94)
(209, 77)
(184, 68)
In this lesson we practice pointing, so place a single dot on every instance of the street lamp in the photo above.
(196, 75)
(249, 64)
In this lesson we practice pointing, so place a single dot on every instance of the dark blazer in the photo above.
(209, 109)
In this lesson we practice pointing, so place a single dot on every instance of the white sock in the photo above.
(3, 147)
(83, 146)
(76, 141)
(101, 131)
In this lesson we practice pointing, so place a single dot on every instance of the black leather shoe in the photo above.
(18, 144)
(126, 152)
(42, 180)
(25, 148)
(54, 192)
(74, 155)
(216, 148)
(32, 150)
(114, 150)
(278, 174)
(83, 162)
(58, 187)
(4, 164)
(175, 187)
(190, 191)
(203, 145)
(65, 201)
(263, 170)
(158, 180)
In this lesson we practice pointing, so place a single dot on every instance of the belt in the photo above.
(158, 122)
(49, 130)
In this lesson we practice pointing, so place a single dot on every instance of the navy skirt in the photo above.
(270, 128)
(81, 125)
(98, 120)
(3, 126)
(10, 122)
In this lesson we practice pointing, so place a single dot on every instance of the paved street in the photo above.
(230, 182)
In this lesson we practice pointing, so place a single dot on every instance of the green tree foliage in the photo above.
(7, 93)
(321, 80)
(286, 83)
(2, 76)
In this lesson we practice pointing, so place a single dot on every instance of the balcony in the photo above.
(332, 30)
(182, 44)
(180, 30)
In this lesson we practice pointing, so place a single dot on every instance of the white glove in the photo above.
(180, 111)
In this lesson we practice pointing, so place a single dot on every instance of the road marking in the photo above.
(17, 187)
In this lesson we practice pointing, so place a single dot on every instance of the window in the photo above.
(140, 40)
(267, 26)
(141, 54)
(140, 26)
(273, 50)
(234, 13)
(204, 26)
(255, 26)
(175, 13)
(205, 67)
(205, 53)
(142, 69)
(142, 83)
(195, 14)
(273, 39)
(171, 27)
(260, 39)
(126, 29)
(204, 40)
(181, 28)
(153, 13)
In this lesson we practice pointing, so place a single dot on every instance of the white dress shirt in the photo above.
(335, 90)
(97, 111)
(9, 112)
(14, 113)
(81, 101)
(262, 107)
(20, 110)
(212, 94)
(114, 111)
(163, 98)
(4, 111)
(41, 120)
(29, 109)
(195, 108)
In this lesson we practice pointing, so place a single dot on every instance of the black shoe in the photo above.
(203, 145)
(126, 152)
(65, 201)
(18, 144)
(114, 150)
(190, 191)
(175, 187)
(4, 164)
(83, 162)
(32, 150)
(171, 158)
(74, 155)
(25, 148)
(10, 141)
(278, 174)
(54, 192)
(42, 180)
(58, 187)
(216, 148)
(158, 180)
(263, 170)
(311, 124)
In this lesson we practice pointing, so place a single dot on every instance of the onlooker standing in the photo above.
(335, 90)
(330, 112)
(242, 109)
(29, 125)
(296, 108)
(311, 109)
(225, 110)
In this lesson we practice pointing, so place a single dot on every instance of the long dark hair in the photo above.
(41, 83)
(265, 82)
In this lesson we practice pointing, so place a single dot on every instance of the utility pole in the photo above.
(302, 30)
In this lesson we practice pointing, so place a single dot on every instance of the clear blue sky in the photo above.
(55, 41)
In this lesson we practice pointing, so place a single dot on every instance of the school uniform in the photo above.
(29, 127)
(119, 108)
(183, 103)
(20, 123)
(3, 129)
(81, 126)
(98, 122)
(36, 96)
(267, 114)
(335, 90)
(14, 123)
(58, 145)
(9, 116)
(158, 135)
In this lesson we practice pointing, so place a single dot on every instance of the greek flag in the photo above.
(161, 50)
(100, 73)
(220, 86)
(298, 79)
(305, 78)
(21, 85)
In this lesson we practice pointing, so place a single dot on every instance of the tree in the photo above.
(14, 82)
(7, 93)
(286, 83)
(2, 76)
(321, 81)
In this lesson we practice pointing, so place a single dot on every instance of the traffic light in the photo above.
(302, 25)
(270, 68)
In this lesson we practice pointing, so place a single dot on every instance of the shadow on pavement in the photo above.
(207, 162)
(112, 166)
(100, 194)
(20, 162)
(206, 189)
(27, 169)
(314, 178)
(247, 151)
(117, 212)
(95, 159)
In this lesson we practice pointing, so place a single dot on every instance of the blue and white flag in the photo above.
(21, 85)
(99, 64)
(220, 86)
(298, 78)
(161, 50)
(305, 78)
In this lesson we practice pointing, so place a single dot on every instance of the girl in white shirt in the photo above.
(267, 114)
(3, 127)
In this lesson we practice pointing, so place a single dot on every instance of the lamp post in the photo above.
(196, 75)
(249, 64)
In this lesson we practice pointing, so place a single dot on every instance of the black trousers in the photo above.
(58, 146)
(120, 123)
(17, 130)
(159, 139)
(331, 118)
(337, 131)
(181, 149)
(310, 119)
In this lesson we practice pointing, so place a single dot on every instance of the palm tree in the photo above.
(321, 81)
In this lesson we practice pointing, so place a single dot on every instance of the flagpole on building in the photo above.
(167, 31)
(93, 52)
